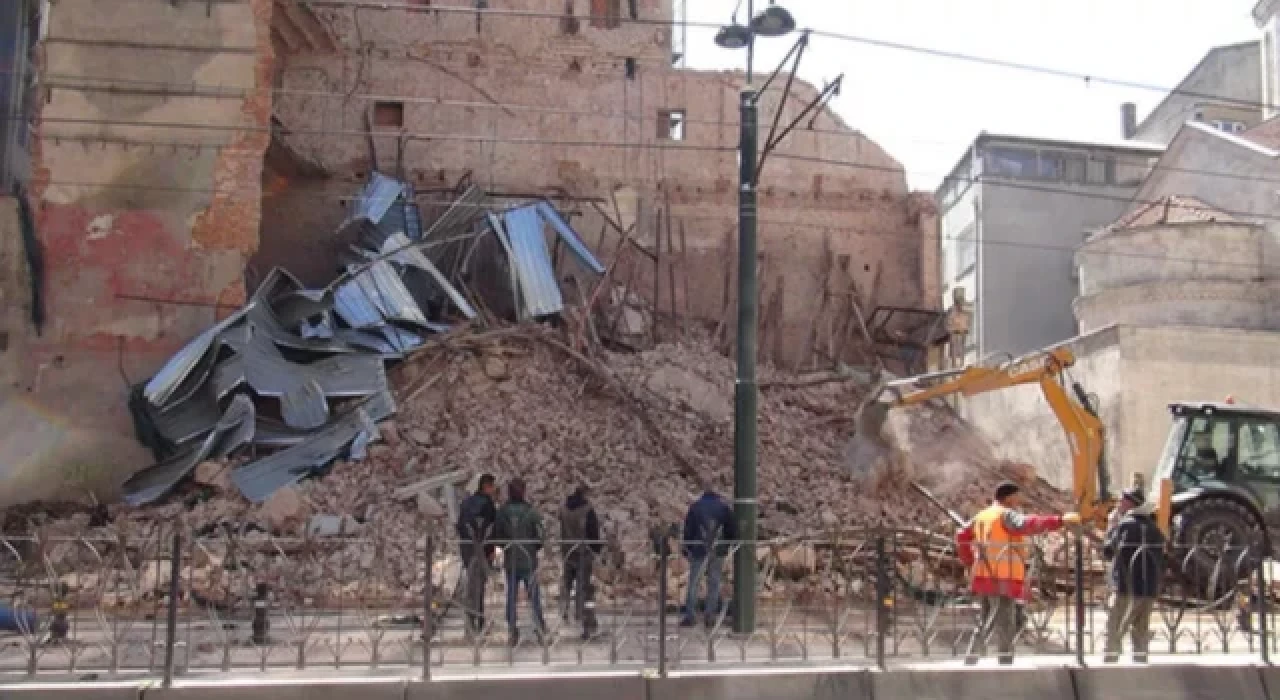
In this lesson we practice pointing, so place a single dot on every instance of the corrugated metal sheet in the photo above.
(233, 430)
(532, 261)
(187, 420)
(302, 389)
(570, 237)
(465, 209)
(378, 287)
(258, 480)
(402, 250)
(377, 197)
(161, 388)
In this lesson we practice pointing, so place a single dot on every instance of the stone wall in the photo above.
(145, 191)
(560, 106)
(1214, 274)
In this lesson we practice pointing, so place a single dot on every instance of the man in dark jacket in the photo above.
(1135, 547)
(580, 543)
(709, 526)
(476, 516)
(519, 531)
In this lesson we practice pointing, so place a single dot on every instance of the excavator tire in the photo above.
(1201, 529)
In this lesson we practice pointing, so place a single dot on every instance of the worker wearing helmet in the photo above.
(994, 547)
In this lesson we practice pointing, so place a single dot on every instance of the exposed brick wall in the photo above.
(145, 229)
(575, 104)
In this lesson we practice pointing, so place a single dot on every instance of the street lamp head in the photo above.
(774, 21)
(733, 36)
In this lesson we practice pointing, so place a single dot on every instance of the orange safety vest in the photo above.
(998, 553)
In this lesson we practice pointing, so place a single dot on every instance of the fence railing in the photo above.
(106, 605)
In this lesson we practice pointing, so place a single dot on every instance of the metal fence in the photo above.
(107, 605)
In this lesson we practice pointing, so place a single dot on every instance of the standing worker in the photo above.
(519, 529)
(709, 526)
(994, 548)
(580, 544)
(476, 517)
(1135, 548)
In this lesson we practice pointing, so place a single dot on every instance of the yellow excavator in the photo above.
(1217, 484)
(1073, 409)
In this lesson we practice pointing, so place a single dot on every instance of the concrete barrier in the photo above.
(788, 685)
(69, 691)
(1173, 682)
(1270, 677)
(567, 687)
(975, 684)
(309, 689)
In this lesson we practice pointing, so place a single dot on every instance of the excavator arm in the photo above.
(1083, 429)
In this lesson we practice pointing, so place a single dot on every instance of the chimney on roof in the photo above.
(1128, 119)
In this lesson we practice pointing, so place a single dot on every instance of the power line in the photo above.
(414, 7)
(728, 220)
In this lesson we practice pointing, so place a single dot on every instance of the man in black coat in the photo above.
(1135, 547)
(476, 516)
(580, 545)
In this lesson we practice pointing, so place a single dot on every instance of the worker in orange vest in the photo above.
(994, 547)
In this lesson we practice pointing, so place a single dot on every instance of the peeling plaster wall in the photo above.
(146, 193)
(536, 106)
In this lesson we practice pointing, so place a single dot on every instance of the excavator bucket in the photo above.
(869, 444)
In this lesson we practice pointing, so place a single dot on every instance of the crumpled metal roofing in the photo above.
(258, 480)
(401, 249)
(532, 262)
(377, 295)
(303, 389)
(233, 430)
(161, 389)
(377, 197)
(570, 237)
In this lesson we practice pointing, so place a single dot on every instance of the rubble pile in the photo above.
(327, 432)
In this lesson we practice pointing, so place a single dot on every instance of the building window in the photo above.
(964, 252)
(671, 124)
(1010, 162)
(1228, 125)
(1095, 172)
(606, 14)
(388, 114)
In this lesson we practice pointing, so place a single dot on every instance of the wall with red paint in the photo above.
(146, 195)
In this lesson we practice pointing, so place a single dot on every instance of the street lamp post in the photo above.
(774, 22)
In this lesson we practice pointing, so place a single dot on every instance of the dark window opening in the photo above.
(671, 124)
(631, 69)
(388, 114)
(606, 14)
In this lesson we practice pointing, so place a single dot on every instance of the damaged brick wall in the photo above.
(146, 193)
(574, 109)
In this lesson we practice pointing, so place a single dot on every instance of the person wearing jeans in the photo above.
(708, 528)
(519, 529)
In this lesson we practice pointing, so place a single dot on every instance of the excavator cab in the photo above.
(1223, 461)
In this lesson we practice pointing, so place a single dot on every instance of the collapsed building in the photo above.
(167, 180)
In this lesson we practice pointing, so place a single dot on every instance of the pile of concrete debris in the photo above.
(367, 409)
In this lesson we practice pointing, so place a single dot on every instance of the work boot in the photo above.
(1139, 658)
(1005, 659)
(687, 622)
(514, 640)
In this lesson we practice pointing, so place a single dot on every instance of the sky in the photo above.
(926, 110)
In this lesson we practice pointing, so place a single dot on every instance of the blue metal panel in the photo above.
(570, 237)
(532, 261)
(377, 197)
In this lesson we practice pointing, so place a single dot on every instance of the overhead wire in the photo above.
(497, 12)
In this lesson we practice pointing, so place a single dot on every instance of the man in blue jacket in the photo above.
(709, 527)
